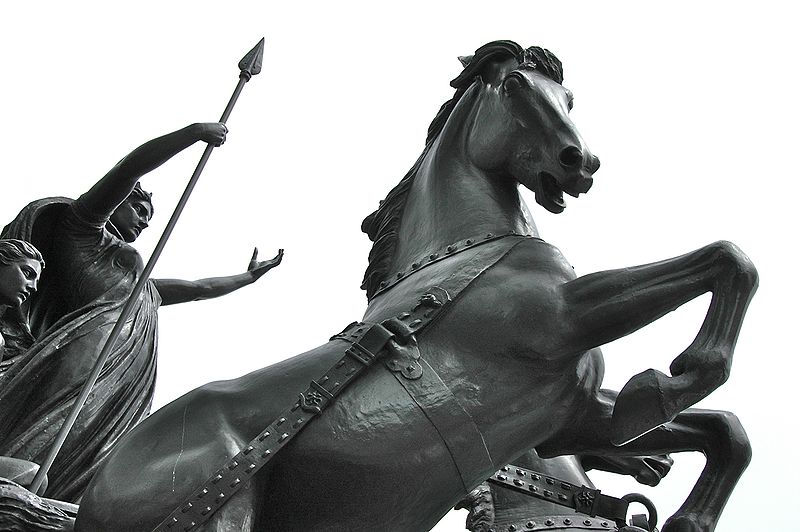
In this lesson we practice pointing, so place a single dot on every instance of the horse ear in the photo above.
(465, 60)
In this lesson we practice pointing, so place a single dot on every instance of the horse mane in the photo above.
(382, 225)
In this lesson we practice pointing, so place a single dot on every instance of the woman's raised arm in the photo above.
(117, 184)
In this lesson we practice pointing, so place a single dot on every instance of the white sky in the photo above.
(692, 109)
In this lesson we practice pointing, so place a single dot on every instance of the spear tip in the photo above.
(250, 65)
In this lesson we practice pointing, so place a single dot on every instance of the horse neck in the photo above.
(452, 199)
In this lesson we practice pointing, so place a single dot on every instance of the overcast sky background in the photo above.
(691, 107)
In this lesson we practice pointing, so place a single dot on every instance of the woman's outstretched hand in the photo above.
(257, 269)
(212, 132)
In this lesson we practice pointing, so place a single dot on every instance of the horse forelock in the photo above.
(382, 225)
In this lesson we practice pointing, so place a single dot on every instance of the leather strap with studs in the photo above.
(583, 499)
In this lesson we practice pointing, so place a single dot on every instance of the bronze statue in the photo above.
(478, 343)
(91, 271)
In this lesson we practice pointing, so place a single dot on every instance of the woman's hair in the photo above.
(13, 250)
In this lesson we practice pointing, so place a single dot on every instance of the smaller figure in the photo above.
(21, 265)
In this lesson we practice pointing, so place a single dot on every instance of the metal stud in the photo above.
(504, 468)
(433, 256)
(518, 482)
(281, 421)
(604, 524)
(587, 522)
(383, 284)
(536, 477)
(298, 423)
(235, 482)
(187, 507)
(220, 498)
(399, 275)
(265, 435)
(216, 478)
(520, 472)
(562, 497)
(450, 249)
(404, 316)
(249, 449)
(251, 468)
(533, 488)
(530, 524)
(489, 235)
(415, 323)
(283, 438)
(567, 521)
(469, 241)
(512, 528)
(206, 510)
(548, 493)
(549, 522)
(502, 478)
(415, 265)
(266, 453)
(203, 493)
(550, 481)
(190, 526)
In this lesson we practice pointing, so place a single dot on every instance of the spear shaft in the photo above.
(249, 66)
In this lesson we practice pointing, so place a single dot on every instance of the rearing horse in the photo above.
(509, 363)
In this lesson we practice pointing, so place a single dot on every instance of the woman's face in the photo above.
(18, 281)
(132, 217)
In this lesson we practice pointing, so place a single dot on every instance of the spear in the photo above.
(249, 66)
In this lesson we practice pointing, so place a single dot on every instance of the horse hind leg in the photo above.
(718, 435)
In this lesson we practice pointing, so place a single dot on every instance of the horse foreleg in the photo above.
(604, 306)
(718, 435)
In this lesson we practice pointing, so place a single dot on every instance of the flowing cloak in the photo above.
(90, 274)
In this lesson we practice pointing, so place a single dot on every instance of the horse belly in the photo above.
(371, 462)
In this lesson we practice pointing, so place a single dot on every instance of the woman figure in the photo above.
(91, 271)
(21, 265)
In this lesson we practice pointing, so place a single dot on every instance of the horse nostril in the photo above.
(595, 164)
(571, 157)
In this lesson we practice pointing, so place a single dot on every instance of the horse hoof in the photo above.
(639, 407)
(685, 523)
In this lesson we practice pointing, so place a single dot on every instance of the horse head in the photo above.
(521, 130)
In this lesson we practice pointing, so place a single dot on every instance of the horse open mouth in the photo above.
(548, 193)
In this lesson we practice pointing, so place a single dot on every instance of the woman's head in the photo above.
(133, 215)
(21, 265)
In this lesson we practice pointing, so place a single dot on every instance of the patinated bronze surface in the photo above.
(517, 348)
(91, 272)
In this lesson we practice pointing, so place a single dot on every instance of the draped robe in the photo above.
(89, 275)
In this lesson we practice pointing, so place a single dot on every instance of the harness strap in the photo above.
(368, 341)
(217, 490)
(583, 499)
